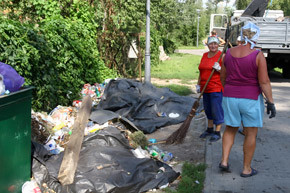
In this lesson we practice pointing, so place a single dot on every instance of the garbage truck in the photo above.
(274, 40)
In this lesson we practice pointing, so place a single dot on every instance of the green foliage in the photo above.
(185, 30)
(193, 177)
(169, 45)
(242, 4)
(190, 174)
(180, 66)
(280, 5)
(57, 57)
(276, 5)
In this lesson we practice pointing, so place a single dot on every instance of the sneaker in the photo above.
(214, 137)
(205, 134)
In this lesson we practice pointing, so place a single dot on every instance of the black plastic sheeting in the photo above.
(140, 103)
(125, 172)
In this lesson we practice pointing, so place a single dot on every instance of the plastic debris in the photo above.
(30, 187)
(152, 140)
(167, 156)
(95, 91)
(159, 154)
(140, 153)
(161, 114)
(2, 85)
(173, 115)
(92, 127)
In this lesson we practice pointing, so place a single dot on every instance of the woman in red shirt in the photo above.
(212, 97)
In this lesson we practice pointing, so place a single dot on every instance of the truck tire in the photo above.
(286, 71)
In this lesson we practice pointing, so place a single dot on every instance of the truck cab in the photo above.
(218, 22)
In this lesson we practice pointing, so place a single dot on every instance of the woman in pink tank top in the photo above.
(244, 77)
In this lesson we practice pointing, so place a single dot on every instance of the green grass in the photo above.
(192, 180)
(178, 89)
(180, 66)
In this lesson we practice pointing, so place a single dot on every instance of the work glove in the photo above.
(197, 88)
(216, 66)
(271, 109)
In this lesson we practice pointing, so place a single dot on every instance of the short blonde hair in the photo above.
(248, 33)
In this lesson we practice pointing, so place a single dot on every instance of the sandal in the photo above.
(253, 172)
(224, 168)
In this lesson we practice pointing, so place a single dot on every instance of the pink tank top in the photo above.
(242, 76)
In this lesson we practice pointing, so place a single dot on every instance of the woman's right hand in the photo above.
(271, 109)
(197, 87)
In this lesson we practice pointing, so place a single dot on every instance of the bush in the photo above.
(57, 57)
(169, 46)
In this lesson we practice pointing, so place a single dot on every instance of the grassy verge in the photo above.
(192, 180)
(178, 89)
(180, 66)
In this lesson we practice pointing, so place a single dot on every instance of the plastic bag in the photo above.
(2, 86)
(12, 80)
(30, 187)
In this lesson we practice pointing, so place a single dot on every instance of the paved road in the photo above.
(194, 52)
(271, 159)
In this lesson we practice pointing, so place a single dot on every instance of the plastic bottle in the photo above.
(153, 153)
(157, 150)
(167, 156)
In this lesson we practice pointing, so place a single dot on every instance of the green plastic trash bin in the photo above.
(15, 140)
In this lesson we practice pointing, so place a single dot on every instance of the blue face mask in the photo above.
(253, 28)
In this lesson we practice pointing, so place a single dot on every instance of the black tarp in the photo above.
(125, 172)
(140, 103)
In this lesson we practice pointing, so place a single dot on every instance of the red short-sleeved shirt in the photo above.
(205, 68)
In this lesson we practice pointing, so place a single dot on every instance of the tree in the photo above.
(242, 4)
(276, 5)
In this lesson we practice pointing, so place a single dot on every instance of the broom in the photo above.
(179, 135)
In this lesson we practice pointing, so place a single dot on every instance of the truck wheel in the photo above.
(286, 72)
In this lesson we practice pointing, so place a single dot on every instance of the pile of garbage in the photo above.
(54, 129)
(95, 91)
(113, 149)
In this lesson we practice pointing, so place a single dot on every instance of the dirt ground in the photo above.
(192, 149)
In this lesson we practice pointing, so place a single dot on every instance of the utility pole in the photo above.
(147, 49)
(198, 11)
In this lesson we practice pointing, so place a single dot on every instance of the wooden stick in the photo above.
(71, 155)
(159, 142)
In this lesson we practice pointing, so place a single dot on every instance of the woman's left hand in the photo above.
(216, 66)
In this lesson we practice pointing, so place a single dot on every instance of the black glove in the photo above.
(271, 109)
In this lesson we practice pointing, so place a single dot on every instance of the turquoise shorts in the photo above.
(248, 111)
